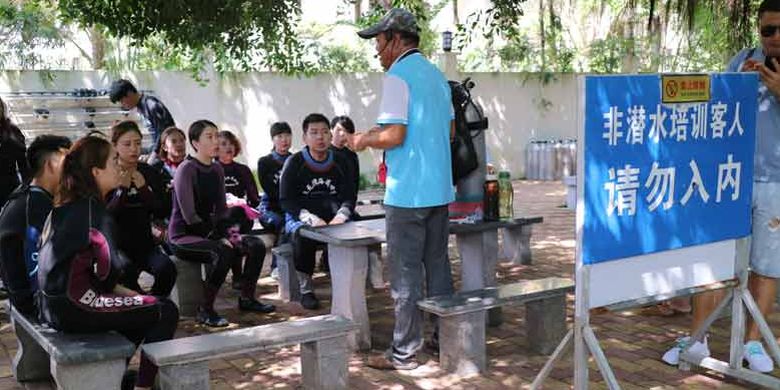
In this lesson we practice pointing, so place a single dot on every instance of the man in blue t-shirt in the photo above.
(764, 260)
(414, 128)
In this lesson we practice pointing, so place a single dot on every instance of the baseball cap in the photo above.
(397, 19)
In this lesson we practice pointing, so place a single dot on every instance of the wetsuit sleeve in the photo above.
(221, 207)
(15, 274)
(117, 199)
(155, 181)
(269, 217)
(287, 184)
(184, 190)
(265, 173)
(21, 161)
(252, 198)
(347, 195)
(355, 173)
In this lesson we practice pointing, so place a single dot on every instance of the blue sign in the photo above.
(665, 176)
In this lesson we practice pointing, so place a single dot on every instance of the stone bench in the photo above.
(187, 292)
(75, 361)
(462, 319)
(324, 352)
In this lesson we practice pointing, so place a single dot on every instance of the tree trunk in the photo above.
(541, 34)
(98, 41)
(358, 10)
(455, 15)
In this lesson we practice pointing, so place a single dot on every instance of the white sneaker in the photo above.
(672, 356)
(757, 358)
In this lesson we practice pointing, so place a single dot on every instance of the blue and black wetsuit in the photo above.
(77, 277)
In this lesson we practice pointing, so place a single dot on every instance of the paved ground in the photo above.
(633, 341)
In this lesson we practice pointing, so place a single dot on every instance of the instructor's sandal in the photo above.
(672, 356)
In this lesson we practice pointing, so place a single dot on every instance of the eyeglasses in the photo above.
(769, 30)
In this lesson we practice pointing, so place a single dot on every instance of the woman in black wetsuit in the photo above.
(133, 205)
(77, 277)
(173, 151)
(201, 230)
(13, 165)
(240, 183)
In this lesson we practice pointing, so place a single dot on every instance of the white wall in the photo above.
(248, 103)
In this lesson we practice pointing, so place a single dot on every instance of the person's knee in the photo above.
(166, 271)
(254, 246)
(169, 312)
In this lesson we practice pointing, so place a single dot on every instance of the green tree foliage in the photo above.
(26, 28)
(239, 34)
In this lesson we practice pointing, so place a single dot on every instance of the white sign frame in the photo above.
(660, 275)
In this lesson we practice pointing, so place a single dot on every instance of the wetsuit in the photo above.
(323, 188)
(269, 170)
(77, 277)
(199, 222)
(133, 208)
(240, 182)
(163, 188)
(21, 222)
(13, 165)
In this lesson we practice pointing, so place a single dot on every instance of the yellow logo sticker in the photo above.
(685, 88)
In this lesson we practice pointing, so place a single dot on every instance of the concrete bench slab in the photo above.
(187, 292)
(462, 319)
(324, 352)
(75, 361)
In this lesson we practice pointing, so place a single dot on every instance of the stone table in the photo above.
(348, 256)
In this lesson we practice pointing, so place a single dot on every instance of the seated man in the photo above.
(22, 219)
(315, 189)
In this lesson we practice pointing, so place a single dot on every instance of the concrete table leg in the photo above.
(289, 290)
(324, 364)
(348, 269)
(193, 376)
(31, 362)
(479, 257)
(375, 268)
(517, 244)
(545, 323)
(90, 376)
(187, 293)
(463, 352)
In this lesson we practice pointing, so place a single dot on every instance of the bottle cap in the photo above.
(504, 175)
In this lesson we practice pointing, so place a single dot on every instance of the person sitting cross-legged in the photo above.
(315, 190)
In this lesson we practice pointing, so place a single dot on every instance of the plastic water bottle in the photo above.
(505, 196)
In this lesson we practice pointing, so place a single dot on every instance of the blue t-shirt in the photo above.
(767, 156)
(419, 171)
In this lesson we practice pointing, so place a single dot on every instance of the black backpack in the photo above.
(470, 121)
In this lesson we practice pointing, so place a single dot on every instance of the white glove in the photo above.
(310, 219)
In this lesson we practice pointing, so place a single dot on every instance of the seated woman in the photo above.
(173, 151)
(133, 205)
(77, 279)
(239, 183)
(200, 232)
(269, 169)
(238, 177)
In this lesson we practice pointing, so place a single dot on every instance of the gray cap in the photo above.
(397, 19)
